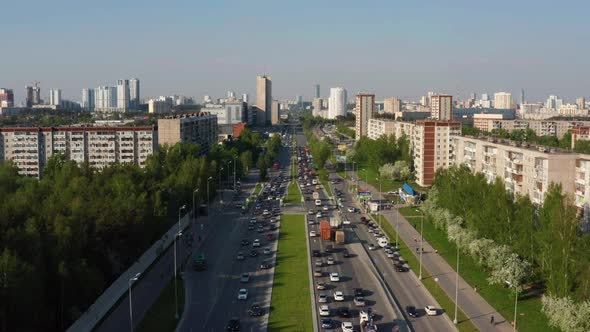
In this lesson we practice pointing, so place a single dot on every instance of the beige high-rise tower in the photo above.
(263, 99)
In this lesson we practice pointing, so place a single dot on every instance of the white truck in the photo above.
(335, 222)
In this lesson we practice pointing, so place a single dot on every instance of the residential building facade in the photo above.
(6, 98)
(197, 128)
(263, 99)
(337, 102)
(392, 105)
(441, 107)
(364, 111)
(503, 100)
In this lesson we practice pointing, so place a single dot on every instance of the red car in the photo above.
(270, 237)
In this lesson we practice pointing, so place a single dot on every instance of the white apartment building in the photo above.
(485, 122)
(380, 127)
(392, 105)
(503, 100)
(30, 148)
(337, 102)
(556, 128)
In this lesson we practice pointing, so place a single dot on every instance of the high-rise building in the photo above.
(274, 112)
(364, 111)
(55, 97)
(32, 95)
(503, 100)
(392, 105)
(88, 99)
(105, 98)
(263, 99)
(522, 101)
(134, 94)
(197, 128)
(317, 106)
(441, 107)
(337, 102)
(245, 97)
(581, 102)
(123, 97)
(317, 91)
(432, 143)
(554, 102)
(6, 98)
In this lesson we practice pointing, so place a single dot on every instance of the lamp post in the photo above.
(228, 169)
(176, 281)
(180, 247)
(195, 212)
(208, 212)
(515, 306)
(396, 228)
(235, 173)
(421, 241)
(220, 170)
(130, 300)
(455, 321)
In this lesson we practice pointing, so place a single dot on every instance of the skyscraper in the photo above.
(274, 112)
(581, 102)
(245, 97)
(522, 96)
(317, 91)
(6, 98)
(502, 100)
(364, 110)
(263, 99)
(122, 95)
(55, 97)
(105, 98)
(134, 95)
(317, 106)
(337, 103)
(441, 107)
(88, 100)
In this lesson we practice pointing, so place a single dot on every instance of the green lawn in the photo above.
(371, 176)
(410, 211)
(160, 317)
(290, 308)
(324, 179)
(293, 194)
(438, 293)
(529, 318)
(258, 188)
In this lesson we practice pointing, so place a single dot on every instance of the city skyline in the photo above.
(479, 49)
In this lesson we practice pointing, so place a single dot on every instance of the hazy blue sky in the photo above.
(391, 48)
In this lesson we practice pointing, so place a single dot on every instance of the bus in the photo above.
(199, 262)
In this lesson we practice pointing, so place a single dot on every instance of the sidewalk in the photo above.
(470, 302)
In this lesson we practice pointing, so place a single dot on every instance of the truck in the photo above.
(340, 238)
(315, 195)
(325, 230)
(199, 262)
(335, 222)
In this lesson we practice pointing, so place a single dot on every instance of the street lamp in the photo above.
(515, 306)
(130, 303)
(180, 247)
(228, 168)
(455, 321)
(208, 212)
(396, 227)
(235, 172)
(220, 170)
(176, 281)
(421, 241)
(195, 212)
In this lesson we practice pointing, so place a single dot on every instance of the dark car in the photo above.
(245, 242)
(326, 323)
(255, 310)
(345, 253)
(316, 253)
(411, 310)
(344, 312)
(270, 237)
(253, 253)
(233, 324)
(329, 248)
(357, 291)
(400, 268)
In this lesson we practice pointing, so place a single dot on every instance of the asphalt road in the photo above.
(212, 295)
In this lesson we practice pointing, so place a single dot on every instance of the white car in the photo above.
(330, 261)
(243, 294)
(325, 208)
(347, 327)
(334, 276)
(345, 222)
(310, 212)
(338, 296)
(324, 310)
(431, 310)
(267, 251)
(256, 243)
(322, 298)
(312, 234)
(318, 215)
(350, 209)
(265, 212)
(314, 181)
(318, 202)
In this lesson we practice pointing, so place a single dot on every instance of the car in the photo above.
(344, 312)
(334, 277)
(329, 248)
(357, 292)
(392, 192)
(314, 181)
(240, 256)
(324, 310)
(273, 220)
(326, 323)
(318, 202)
(265, 266)
(265, 212)
(245, 277)
(310, 221)
(260, 229)
(325, 208)
(319, 214)
(267, 251)
(412, 312)
(322, 298)
(372, 246)
(431, 310)
(251, 227)
(310, 212)
(256, 243)
(319, 262)
(389, 253)
(347, 327)
(243, 294)
(253, 253)
(245, 242)
(318, 273)
(338, 296)
(359, 301)
(233, 324)
(330, 260)
(270, 237)
(312, 234)
(316, 253)
(253, 220)
(400, 268)
(345, 222)
(255, 310)
(320, 285)
(345, 253)
(351, 209)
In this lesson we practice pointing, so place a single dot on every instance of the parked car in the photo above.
(321, 285)
(318, 273)
(322, 298)
(326, 323)
(347, 327)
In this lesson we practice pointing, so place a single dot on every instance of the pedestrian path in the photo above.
(475, 307)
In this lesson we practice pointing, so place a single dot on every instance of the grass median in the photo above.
(290, 308)
(530, 317)
(446, 303)
(160, 317)
(293, 194)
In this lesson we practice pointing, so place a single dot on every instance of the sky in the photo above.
(390, 47)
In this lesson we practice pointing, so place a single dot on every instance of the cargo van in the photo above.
(383, 242)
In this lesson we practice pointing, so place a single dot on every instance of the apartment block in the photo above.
(198, 128)
(29, 148)
(380, 127)
(431, 143)
(485, 122)
(580, 133)
(364, 111)
(392, 105)
(556, 128)
(441, 107)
